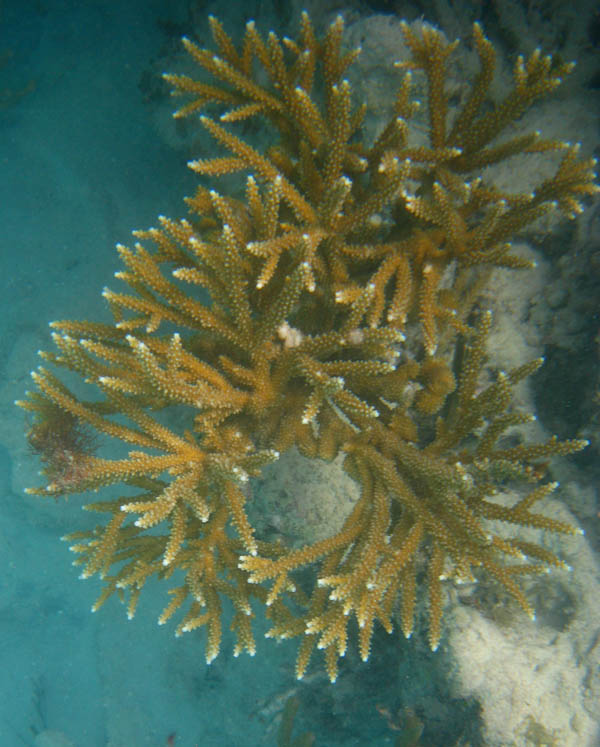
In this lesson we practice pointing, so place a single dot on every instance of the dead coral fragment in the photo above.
(278, 319)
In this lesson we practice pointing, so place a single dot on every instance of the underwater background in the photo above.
(89, 152)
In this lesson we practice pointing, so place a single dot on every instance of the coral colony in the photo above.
(330, 305)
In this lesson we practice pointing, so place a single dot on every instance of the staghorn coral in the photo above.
(341, 319)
